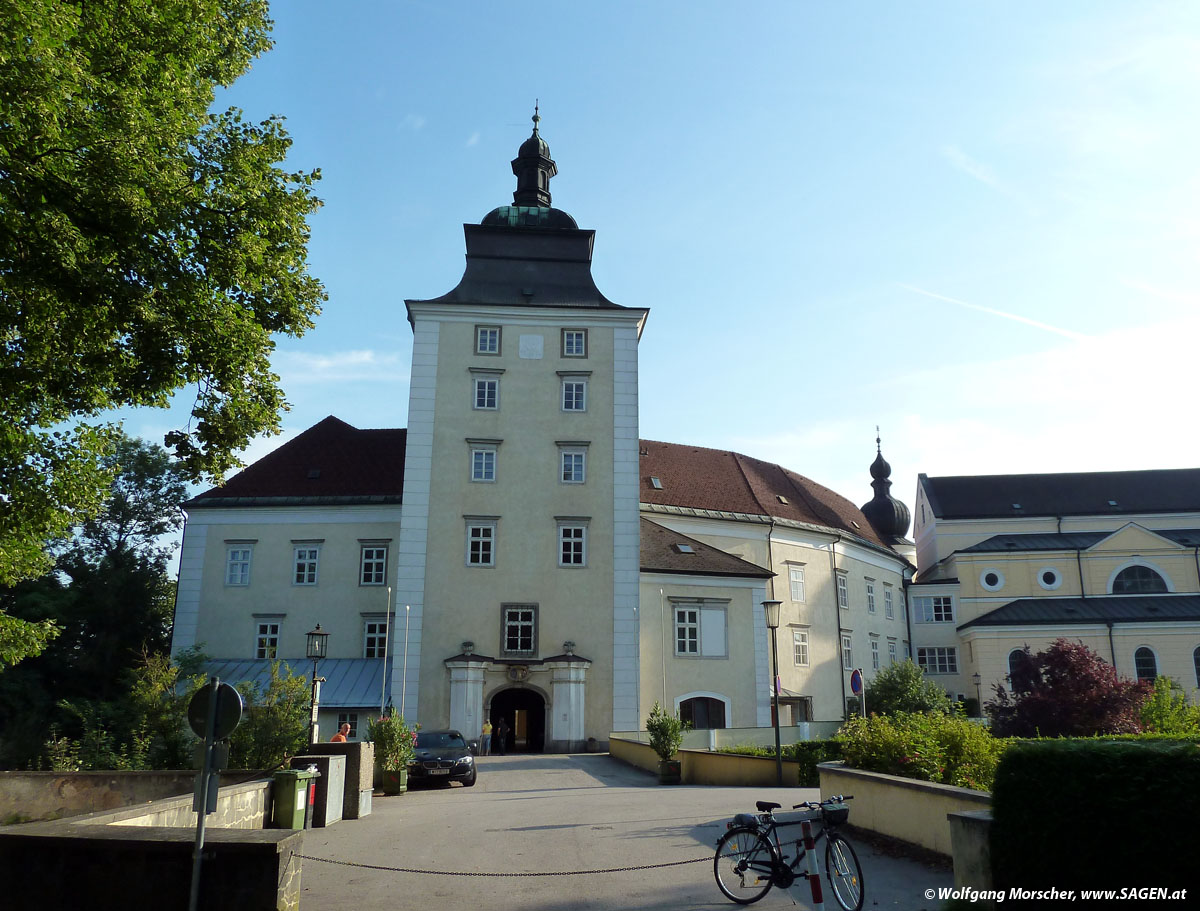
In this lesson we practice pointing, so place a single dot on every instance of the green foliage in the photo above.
(947, 749)
(274, 723)
(666, 732)
(1167, 710)
(146, 246)
(1084, 813)
(21, 639)
(812, 752)
(904, 687)
(395, 741)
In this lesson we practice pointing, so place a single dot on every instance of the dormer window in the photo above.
(656, 483)
(685, 548)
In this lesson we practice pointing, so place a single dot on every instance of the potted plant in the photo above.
(666, 736)
(395, 748)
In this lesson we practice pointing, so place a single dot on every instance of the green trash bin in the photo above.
(291, 797)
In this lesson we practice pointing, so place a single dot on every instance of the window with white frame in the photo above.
(483, 463)
(574, 394)
(350, 718)
(938, 660)
(933, 609)
(266, 638)
(487, 393)
(892, 651)
(800, 647)
(843, 591)
(700, 630)
(796, 580)
(375, 636)
(304, 563)
(847, 652)
(574, 343)
(373, 567)
(237, 564)
(888, 610)
(572, 543)
(487, 339)
(481, 542)
(875, 654)
(870, 597)
(518, 630)
(572, 465)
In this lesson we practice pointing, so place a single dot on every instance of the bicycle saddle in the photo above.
(765, 806)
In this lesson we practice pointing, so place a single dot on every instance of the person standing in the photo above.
(343, 733)
(485, 738)
(501, 736)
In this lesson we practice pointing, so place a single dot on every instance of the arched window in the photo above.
(1138, 580)
(1145, 664)
(1021, 670)
(702, 712)
(1196, 662)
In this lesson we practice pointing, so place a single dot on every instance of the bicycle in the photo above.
(751, 859)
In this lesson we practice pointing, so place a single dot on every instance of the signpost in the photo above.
(213, 713)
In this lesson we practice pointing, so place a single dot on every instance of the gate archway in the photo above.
(524, 710)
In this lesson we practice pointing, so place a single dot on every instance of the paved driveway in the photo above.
(560, 814)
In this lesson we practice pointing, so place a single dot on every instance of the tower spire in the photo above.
(533, 168)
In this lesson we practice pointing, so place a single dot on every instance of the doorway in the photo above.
(524, 711)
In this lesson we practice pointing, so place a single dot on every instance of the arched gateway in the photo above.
(524, 710)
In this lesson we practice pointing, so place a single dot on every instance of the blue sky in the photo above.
(976, 225)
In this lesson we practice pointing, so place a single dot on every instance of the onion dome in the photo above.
(888, 516)
(533, 167)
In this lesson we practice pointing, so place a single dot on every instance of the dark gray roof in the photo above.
(1071, 494)
(1109, 609)
(1080, 540)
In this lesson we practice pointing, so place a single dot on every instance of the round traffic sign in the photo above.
(856, 682)
(229, 711)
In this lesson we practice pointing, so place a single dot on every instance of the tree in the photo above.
(903, 687)
(1066, 691)
(1167, 710)
(146, 246)
(274, 724)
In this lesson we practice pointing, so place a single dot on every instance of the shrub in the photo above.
(274, 723)
(947, 749)
(1167, 710)
(904, 687)
(809, 754)
(395, 742)
(666, 732)
(1084, 814)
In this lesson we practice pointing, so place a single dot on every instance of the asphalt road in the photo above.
(562, 815)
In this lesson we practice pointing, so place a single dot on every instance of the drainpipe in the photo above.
(1112, 649)
(1197, 555)
(838, 613)
(770, 558)
(907, 579)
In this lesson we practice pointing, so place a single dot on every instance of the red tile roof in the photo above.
(696, 478)
(330, 462)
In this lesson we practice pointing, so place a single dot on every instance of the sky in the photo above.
(975, 225)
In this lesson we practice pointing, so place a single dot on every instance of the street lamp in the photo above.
(977, 680)
(315, 647)
(772, 609)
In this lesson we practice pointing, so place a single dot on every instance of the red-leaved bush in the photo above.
(1066, 691)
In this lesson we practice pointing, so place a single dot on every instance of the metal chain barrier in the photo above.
(350, 863)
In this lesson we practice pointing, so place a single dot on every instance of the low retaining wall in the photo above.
(903, 808)
(704, 768)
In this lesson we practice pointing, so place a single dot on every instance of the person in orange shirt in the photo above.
(340, 736)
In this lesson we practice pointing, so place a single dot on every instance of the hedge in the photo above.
(807, 752)
(1094, 814)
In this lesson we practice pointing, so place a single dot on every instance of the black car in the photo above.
(442, 756)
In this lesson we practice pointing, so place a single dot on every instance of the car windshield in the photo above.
(434, 740)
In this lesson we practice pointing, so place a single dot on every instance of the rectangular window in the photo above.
(687, 631)
(305, 563)
(574, 395)
(520, 629)
(934, 609)
(572, 545)
(800, 647)
(892, 651)
(266, 642)
(870, 597)
(700, 631)
(481, 543)
(847, 652)
(237, 565)
(875, 654)
(487, 339)
(574, 464)
(350, 718)
(574, 343)
(374, 565)
(483, 465)
(375, 636)
(487, 393)
(843, 594)
(938, 660)
(796, 577)
(888, 610)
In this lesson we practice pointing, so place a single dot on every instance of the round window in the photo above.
(1049, 578)
(992, 580)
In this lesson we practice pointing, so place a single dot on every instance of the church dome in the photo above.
(888, 516)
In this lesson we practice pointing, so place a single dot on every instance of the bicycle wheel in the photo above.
(843, 872)
(744, 864)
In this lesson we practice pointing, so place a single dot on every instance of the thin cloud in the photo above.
(302, 368)
(972, 168)
(474, 140)
(414, 122)
(1066, 333)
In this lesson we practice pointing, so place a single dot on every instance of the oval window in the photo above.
(1049, 578)
(992, 580)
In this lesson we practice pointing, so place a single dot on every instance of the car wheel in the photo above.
(468, 782)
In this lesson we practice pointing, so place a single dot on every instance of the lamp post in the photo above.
(977, 680)
(315, 647)
(772, 609)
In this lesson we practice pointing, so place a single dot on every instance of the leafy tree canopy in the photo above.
(146, 246)
(904, 687)
(1066, 691)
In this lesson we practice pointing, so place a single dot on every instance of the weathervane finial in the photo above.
(536, 116)
(878, 445)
